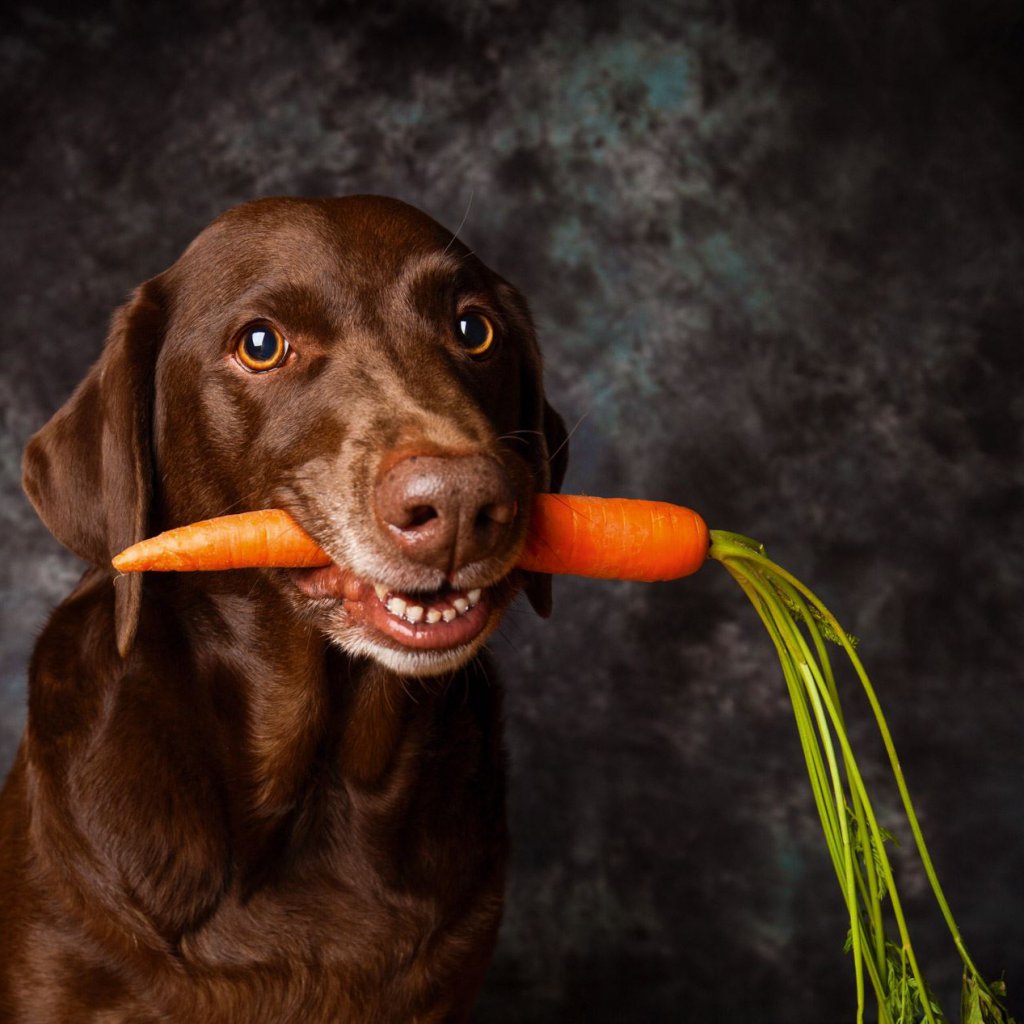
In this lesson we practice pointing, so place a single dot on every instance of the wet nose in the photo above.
(446, 511)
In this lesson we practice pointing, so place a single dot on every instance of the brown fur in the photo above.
(219, 812)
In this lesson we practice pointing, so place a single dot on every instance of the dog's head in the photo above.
(347, 360)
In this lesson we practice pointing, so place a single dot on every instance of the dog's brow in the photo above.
(306, 306)
(442, 265)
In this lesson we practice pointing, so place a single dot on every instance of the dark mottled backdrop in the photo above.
(775, 253)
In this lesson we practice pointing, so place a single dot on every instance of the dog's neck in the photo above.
(288, 703)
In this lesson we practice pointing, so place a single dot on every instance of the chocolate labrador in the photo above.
(278, 795)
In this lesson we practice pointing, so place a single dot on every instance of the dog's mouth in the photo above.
(438, 620)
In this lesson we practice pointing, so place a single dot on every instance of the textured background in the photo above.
(775, 253)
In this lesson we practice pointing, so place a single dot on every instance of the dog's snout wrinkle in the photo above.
(446, 511)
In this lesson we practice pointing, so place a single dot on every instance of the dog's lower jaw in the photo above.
(368, 621)
(410, 663)
(355, 639)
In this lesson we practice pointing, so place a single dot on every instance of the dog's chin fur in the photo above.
(413, 664)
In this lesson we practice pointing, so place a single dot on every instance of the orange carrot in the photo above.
(614, 538)
(607, 538)
(267, 538)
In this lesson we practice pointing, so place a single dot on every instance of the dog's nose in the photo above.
(446, 511)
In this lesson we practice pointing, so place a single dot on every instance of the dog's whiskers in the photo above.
(513, 435)
(462, 224)
(576, 427)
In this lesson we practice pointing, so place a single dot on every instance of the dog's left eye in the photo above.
(475, 333)
(261, 347)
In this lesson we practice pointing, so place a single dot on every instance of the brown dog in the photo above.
(269, 795)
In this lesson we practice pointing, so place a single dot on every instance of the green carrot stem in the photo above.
(834, 822)
(805, 730)
(820, 688)
(857, 782)
(746, 553)
(872, 899)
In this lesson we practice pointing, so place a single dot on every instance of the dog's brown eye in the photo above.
(475, 333)
(261, 347)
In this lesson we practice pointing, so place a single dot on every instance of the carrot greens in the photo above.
(799, 625)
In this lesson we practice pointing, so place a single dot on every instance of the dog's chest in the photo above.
(339, 949)
(387, 893)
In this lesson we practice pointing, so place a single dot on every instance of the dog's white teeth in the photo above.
(416, 613)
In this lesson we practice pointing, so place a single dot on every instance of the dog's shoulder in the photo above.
(111, 741)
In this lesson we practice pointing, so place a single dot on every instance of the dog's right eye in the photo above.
(475, 333)
(261, 347)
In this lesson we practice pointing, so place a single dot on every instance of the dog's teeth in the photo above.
(380, 590)
(414, 614)
(461, 605)
(448, 614)
(396, 606)
(433, 616)
(474, 598)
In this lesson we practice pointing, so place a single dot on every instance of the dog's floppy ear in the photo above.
(556, 443)
(88, 470)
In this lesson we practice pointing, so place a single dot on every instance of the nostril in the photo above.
(420, 515)
(500, 513)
